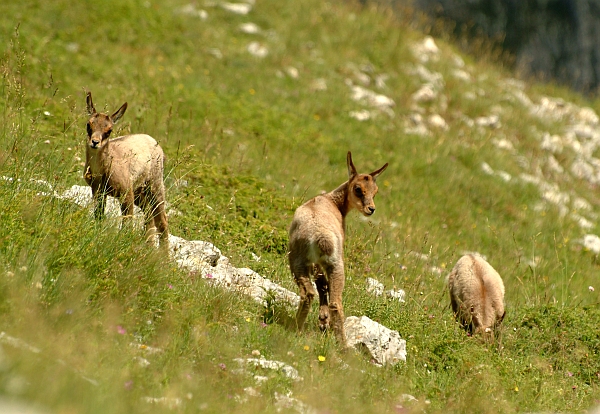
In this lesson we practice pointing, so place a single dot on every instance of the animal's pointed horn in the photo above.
(375, 173)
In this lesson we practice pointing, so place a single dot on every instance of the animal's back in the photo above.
(317, 230)
(478, 290)
(142, 157)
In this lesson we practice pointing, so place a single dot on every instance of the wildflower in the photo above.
(222, 366)
(321, 358)
(128, 385)
(263, 325)
(516, 389)
(248, 319)
(591, 288)
(306, 347)
(121, 330)
(256, 352)
(209, 276)
(170, 286)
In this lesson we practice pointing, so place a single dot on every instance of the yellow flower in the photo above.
(252, 91)
(306, 347)
(516, 389)
(248, 319)
(321, 358)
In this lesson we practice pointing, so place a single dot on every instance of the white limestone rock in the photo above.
(285, 369)
(384, 345)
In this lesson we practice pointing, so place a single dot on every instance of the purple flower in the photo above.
(209, 276)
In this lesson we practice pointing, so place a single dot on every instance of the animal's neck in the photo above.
(98, 160)
(339, 197)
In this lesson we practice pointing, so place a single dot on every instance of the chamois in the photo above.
(476, 294)
(129, 167)
(317, 246)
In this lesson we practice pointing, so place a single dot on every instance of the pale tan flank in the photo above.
(129, 167)
(317, 245)
(476, 294)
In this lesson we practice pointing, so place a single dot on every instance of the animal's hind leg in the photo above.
(307, 294)
(160, 219)
(143, 200)
(335, 273)
(323, 289)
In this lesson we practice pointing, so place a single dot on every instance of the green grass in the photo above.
(252, 143)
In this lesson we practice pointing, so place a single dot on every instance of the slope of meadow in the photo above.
(256, 106)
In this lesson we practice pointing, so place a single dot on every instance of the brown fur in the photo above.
(476, 294)
(129, 167)
(317, 245)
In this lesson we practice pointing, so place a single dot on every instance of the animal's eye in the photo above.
(89, 129)
(358, 191)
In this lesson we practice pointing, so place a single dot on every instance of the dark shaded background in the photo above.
(550, 39)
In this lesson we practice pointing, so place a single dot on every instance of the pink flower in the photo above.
(121, 330)
(128, 385)
(170, 286)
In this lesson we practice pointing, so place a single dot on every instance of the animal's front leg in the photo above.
(99, 200)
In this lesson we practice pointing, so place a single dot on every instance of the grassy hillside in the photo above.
(248, 138)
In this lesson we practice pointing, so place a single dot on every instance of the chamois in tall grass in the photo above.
(317, 246)
(476, 294)
(129, 167)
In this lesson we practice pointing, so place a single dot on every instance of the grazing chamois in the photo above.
(129, 168)
(476, 294)
(317, 246)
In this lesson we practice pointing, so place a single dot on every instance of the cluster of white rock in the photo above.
(581, 135)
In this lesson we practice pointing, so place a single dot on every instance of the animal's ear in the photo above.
(374, 174)
(351, 168)
(90, 104)
(119, 113)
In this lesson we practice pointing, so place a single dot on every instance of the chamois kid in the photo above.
(476, 294)
(317, 246)
(129, 168)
